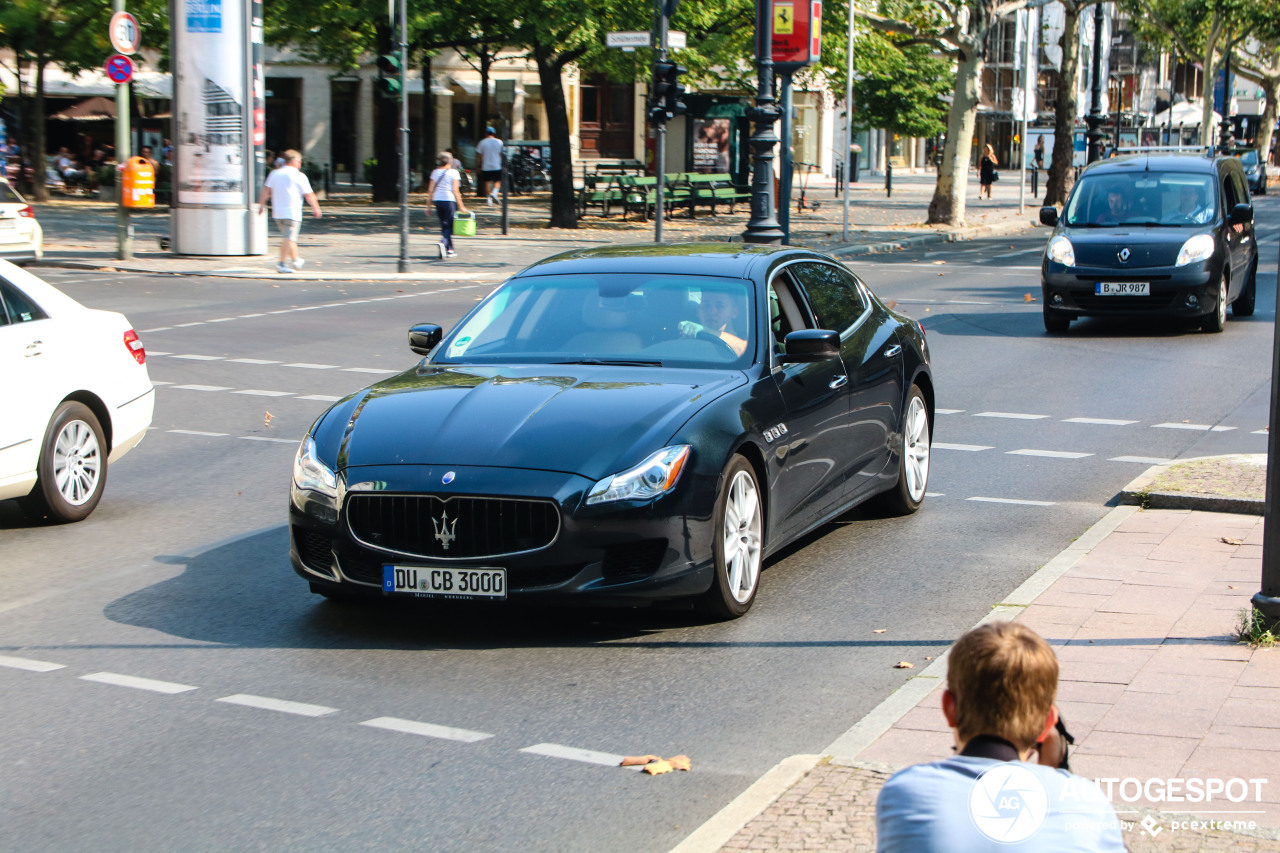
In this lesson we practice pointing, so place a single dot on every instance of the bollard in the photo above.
(888, 179)
(1035, 182)
(839, 178)
(325, 167)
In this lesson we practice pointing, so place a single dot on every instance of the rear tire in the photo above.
(738, 543)
(1214, 321)
(72, 469)
(1055, 322)
(913, 472)
(1244, 304)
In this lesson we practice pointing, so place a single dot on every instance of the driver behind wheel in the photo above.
(716, 311)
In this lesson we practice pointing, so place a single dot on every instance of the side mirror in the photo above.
(424, 337)
(1049, 216)
(1240, 214)
(806, 345)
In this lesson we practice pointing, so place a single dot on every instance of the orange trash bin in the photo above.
(138, 183)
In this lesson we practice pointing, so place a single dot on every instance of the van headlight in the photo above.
(312, 475)
(1198, 248)
(655, 476)
(1060, 251)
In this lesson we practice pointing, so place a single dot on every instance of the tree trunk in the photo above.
(564, 213)
(386, 123)
(1061, 170)
(949, 194)
(1207, 128)
(428, 144)
(486, 62)
(1271, 90)
(39, 191)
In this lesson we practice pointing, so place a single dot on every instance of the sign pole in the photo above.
(660, 154)
(848, 127)
(403, 265)
(124, 229)
(787, 164)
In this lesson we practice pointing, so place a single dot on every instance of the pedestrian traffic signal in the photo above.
(389, 83)
(667, 101)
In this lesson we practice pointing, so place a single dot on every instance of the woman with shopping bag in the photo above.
(446, 194)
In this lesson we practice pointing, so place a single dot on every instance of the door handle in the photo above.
(893, 351)
(839, 382)
(33, 348)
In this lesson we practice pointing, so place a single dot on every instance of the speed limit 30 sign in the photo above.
(126, 35)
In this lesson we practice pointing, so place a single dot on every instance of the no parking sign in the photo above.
(119, 69)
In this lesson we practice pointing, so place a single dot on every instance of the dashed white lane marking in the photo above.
(198, 432)
(250, 316)
(935, 494)
(1017, 416)
(942, 445)
(1015, 254)
(947, 411)
(194, 357)
(308, 366)
(221, 320)
(1261, 432)
(158, 382)
(252, 361)
(1049, 454)
(1011, 501)
(202, 387)
(156, 329)
(265, 438)
(1141, 460)
(285, 706)
(1200, 427)
(189, 325)
(137, 683)
(29, 665)
(259, 393)
(1098, 421)
(413, 727)
(555, 750)
(321, 398)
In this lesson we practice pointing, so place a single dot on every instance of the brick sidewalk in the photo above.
(1153, 685)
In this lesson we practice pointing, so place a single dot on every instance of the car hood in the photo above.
(1148, 246)
(581, 419)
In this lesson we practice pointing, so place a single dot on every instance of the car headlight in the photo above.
(312, 475)
(1198, 248)
(1061, 251)
(654, 476)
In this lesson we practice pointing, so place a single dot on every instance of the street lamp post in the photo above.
(1095, 118)
(1224, 126)
(763, 226)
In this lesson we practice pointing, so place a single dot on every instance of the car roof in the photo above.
(1155, 162)
(723, 260)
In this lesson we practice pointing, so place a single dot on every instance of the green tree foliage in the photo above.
(897, 88)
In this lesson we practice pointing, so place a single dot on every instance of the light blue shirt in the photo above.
(949, 806)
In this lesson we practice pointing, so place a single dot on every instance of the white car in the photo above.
(74, 396)
(21, 237)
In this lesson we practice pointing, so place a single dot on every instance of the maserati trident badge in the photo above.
(445, 530)
(448, 477)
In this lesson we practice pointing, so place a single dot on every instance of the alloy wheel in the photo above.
(77, 463)
(742, 527)
(915, 450)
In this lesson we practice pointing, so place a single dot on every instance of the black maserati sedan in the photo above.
(1153, 234)
(619, 425)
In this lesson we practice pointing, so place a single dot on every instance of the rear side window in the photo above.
(8, 195)
(18, 308)
(835, 299)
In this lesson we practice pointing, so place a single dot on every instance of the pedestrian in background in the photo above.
(287, 187)
(987, 171)
(1002, 679)
(445, 193)
(490, 151)
(1039, 151)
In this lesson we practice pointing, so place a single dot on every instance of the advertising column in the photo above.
(218, 118)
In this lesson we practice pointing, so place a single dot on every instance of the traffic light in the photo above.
(666, 103)
(389, 83)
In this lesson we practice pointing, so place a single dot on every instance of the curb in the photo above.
(273, 275)
(1139, 493)
(958, 235)
(844, 750)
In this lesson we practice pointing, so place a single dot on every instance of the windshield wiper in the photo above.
(625, 362)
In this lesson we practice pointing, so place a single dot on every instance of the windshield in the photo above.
(1248, 158)
(1142, 198)
(629, 318)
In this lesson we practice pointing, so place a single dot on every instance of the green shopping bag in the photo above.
(464, 225)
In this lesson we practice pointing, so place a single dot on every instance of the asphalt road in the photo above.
(271, 719)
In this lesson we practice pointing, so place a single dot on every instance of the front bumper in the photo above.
(1187, 291)
(622, 553)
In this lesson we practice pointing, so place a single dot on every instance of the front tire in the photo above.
(738, 545)
(1244, 304)
(1214, 321)
(72, 470)
(1055, 322)
(913, 473)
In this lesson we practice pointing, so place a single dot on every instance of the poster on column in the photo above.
(209, 93)
(711, 146)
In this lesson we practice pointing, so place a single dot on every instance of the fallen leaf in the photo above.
(1027, 297)
(939, 262)
(928, 657)
(657, 768)
(680, 762)
(635, 760)
(266, 421)
(1228, 540)
(904, 664)
(1229, 586)
(892, 304)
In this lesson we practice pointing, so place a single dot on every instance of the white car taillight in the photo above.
(136, 349)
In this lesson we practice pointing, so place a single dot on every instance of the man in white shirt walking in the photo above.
(490, 151)
(287, 187)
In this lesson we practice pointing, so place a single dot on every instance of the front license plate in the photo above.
(444, 582)
(1122, 288)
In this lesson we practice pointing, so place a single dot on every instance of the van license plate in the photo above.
(1122, 288)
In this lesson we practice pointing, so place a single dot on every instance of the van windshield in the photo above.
(1167, 199)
